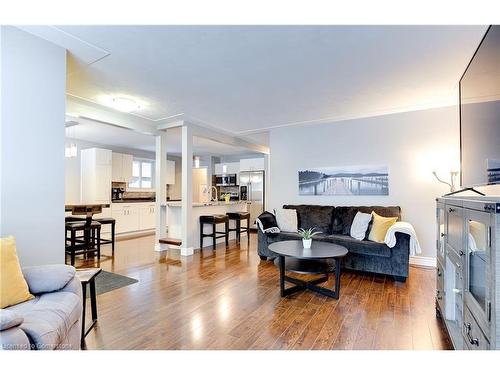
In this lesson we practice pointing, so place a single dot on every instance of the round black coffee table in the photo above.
(322, 258)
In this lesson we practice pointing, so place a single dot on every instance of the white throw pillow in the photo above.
(287, 219)
(360, 225)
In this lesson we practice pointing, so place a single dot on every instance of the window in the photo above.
(142, 174)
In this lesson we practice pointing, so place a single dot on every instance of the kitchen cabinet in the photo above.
(147, 217)
(121, 167)
(170, 172)
(132, 217)
(126, 216)
(255, 164)
(95, 173)
(231, 168)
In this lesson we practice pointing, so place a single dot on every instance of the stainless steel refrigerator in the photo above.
(253, 183)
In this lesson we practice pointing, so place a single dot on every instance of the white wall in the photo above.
(412, 144)
(33, 86)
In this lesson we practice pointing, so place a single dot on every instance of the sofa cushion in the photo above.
(13, 286)
(343, 216)
(49, 317)
(360, 247)
(342, 220)
(360, 225)
(48, 278)
(286, 219)
(314, 216)
(380, 226)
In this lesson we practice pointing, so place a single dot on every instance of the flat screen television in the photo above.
(480, 114)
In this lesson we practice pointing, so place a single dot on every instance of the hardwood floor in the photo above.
(229, 299)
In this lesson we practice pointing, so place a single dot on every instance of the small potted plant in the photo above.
(307, 236)
(227, 197)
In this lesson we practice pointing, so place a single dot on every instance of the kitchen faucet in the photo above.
(212, 198)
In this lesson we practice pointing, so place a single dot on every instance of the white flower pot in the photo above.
(307, 243)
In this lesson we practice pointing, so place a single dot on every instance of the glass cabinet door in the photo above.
(477, 262)
(454, 285)
(441, 233)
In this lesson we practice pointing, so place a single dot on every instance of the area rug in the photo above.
(108, 281)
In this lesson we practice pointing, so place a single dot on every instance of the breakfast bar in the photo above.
(174, 212)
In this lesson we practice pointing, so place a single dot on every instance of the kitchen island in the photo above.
(174, 212)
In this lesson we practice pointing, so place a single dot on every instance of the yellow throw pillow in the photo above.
(13, 286)
(380, 226)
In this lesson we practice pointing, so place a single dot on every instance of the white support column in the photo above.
(267, 179)
(161, 190)
(187, 191)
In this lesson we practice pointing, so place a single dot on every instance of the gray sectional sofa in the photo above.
(52, 320)
(335, 225)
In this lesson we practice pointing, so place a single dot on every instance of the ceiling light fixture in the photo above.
(124, 104)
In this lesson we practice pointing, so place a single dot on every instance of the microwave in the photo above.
(225, 180)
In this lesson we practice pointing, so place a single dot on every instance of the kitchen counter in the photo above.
(69, 207)
(204, 204)
(174, 214)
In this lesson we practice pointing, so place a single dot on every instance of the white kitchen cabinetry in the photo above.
(126, 216)
(231, 168)
(122, 167)
(256, 164)
(132, 217)
(95, 176)
(147, 217)
(170, 172)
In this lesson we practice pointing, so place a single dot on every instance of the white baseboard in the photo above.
(423, 261)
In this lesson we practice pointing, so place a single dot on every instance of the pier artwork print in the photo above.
(351, 180)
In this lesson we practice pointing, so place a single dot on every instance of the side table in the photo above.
(87, 277)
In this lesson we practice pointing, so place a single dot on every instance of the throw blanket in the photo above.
(403, 227)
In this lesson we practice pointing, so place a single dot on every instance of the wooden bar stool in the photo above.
(88, 243)
(214, 220)
(238, 217)
(104, 241)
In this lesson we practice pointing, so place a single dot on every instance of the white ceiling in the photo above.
(98, 132)
(246, 78)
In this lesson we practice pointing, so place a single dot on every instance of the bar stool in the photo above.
(89, 243)
(83, 244)
(214, 220)
(238, 217)
(104, 241)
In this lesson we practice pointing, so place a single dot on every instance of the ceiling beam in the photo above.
(79, 107)
(214, 134)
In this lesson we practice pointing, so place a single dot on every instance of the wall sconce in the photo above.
(451, 184)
